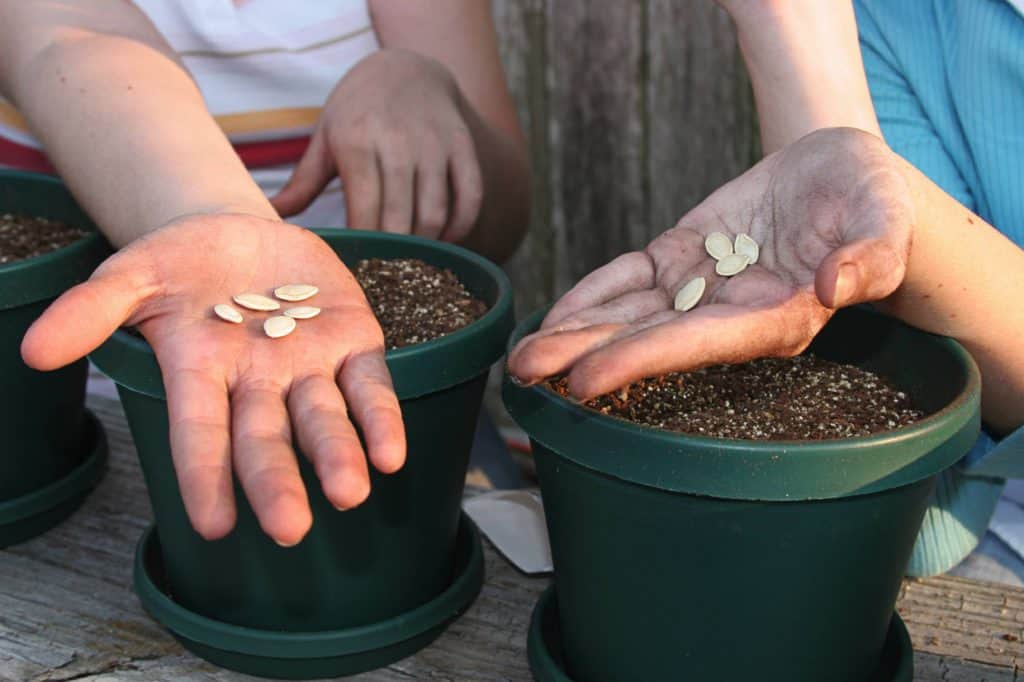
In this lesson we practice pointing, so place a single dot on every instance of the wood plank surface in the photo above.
(67, 610)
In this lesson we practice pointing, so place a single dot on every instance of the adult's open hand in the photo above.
(833, 217)
(231, 389)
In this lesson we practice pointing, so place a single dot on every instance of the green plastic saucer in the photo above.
(307, 655)
(547, 660)
(32, 514)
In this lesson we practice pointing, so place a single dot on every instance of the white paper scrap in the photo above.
(514, 521)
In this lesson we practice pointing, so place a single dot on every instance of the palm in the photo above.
(230, 388)
(832, 202)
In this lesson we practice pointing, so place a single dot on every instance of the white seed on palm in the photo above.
(296, 292)
(745, 246)
(278, 326)
(718, 245)
(256, 302)
(302, 312)
(732, 264)
(227, 313)
(690, 294)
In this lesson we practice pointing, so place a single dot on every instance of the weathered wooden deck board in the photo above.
(67, 610)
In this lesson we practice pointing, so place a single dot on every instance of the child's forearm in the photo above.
(121, 120)
(966, 280)
(805, 66)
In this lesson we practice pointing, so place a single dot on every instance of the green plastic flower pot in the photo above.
(368, 568)
(55, 451)
(682, 557)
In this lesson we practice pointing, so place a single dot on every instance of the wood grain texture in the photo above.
(67, 610)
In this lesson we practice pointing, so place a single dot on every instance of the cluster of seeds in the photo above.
(279, 325)
(731, 256)
(800, 398)
(24, 237)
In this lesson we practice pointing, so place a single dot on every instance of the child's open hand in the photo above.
(397, 131)
(832, 215)
(233, 394)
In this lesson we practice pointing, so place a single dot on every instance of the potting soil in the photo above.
(24, 237)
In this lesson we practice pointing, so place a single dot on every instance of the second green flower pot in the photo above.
(366, 586)
(55, 452)
(682, 557)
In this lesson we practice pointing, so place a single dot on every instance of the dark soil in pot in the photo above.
(671, 548)
(54, 452)
(363, 570)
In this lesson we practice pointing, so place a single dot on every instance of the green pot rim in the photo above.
(783, 471)
(549, 667)
(78, 481)
(47, 276)
(189, 625)
(415, 370)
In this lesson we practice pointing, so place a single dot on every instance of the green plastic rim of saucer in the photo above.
(32, 514)
(306, 655)
(547, 660)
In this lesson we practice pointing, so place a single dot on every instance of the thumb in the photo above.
(86, 315)
(314, 170)
(858, 272)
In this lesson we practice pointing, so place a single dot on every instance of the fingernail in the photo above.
(846, 284)
(286, 546)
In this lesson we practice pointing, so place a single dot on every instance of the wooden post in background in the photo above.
(635, 110)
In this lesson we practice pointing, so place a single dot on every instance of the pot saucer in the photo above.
(306, 655)
(547, 660)
(36, 512)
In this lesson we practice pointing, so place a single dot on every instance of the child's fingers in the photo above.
(865, 270)
(328, 439)
(314, 170)
(266, 465)
(360, 171)
(199, 421)
(467, 187)
(397, 174)
(431, 194)
(86, 315)
(366, 383)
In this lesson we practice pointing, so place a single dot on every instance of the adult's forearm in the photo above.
(966, 280)
(127, 129)
(804, 61)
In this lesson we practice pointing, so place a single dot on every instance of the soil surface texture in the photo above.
(24, 237)
(800, 398)
(414, 301)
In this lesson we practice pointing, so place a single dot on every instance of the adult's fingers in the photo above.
(87, 314)
(397, 169)
(431, 194)
(626, 309)
(864, 270)
(629, 272)
(543, 354)
(708, 335)
(366, 384)
(199, 419)
(265, 463)
(314, 170)
(467, 185)
(328, 439)
(359, 169)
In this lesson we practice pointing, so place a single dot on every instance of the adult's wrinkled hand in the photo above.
(235, 397)
(833, 217)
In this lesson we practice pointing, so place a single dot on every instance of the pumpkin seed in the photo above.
(732, 264)
(718, 245)
(227, 313)
(296, 292)
(689, 295)
(745, 246)
(256, 302)
(278, 326)
(302, 312)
